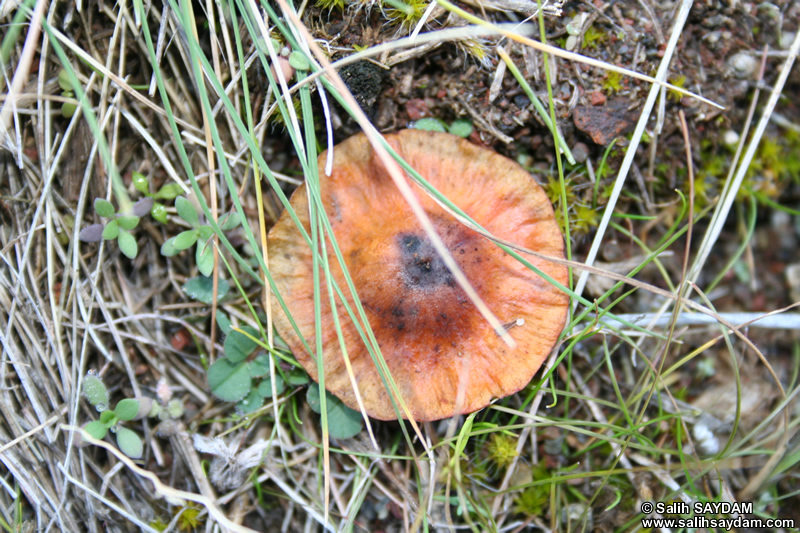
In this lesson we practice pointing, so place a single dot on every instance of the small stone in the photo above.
(731, 138)
(580, 152)
(743, 65)
(597, 98)
(792, 274)
(787, 38)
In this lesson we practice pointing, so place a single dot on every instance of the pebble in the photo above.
(743, 65)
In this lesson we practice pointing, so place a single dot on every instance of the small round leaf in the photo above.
(205, 257)
(92, 233)
(104, 208)
(298, 61)
(229, 382)
(238, 345)
(108, 418)
(312, 397)
(68, 109)
(129, 443)
(169, 191)
(95, 392)
(185, 239)
(140, 183)
(127, 244)
(96, 429)
(159, 212)
(186, 211)
(175, 408)
(63, 80)
(142, 207)
(461, 127)
(343, 422)
(265, 387)
(230, 221)
(168, 248)
(201, 289)
(206, 232)
(129, 222)
(297, 377)
(430, 124)
(259, 367)
(111, 231)
(252, 402)
(127, 409)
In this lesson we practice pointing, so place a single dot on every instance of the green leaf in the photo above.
(92, 233)
(169, 191)
(252, 402)
(129, 443)
(128, 222)
(175, 408)
(223, 321)
(108, 418)
(297, 377)
(168, 248)
(186, 211)
(265, 387)
(343, 422)
(201, 289)
(298, 61)
(111, 231)
(68, 109)
(95, 392)
(461, 127)
(430, 124)
(205, 257)
(259, 367)
(229, 382)
(238, 345)
(127, 244)
(127, 409)
(206, 232)
(64, 81)
(159, 212)
(104, 208)
(312, 397)
(140, 183)
(96, 429)
(230, 221)
(185, 239)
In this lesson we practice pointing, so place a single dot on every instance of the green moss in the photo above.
(502, 449)
(406, 14)
(593, 37)
(331, 4)
(680, 83)
(613, 82)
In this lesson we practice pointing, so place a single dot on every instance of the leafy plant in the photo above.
(343, 422)
(613, 82)
(67, 91)
(119, 226)
(167, 192)
(243, 375)
(200, 234)
(461, 127)
(201, 288)
(127, 409)
(593, 37)
(406, 14)
(502, 449)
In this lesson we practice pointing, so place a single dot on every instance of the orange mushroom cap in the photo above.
(436, 344)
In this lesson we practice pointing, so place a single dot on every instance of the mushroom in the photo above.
(443, 355)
